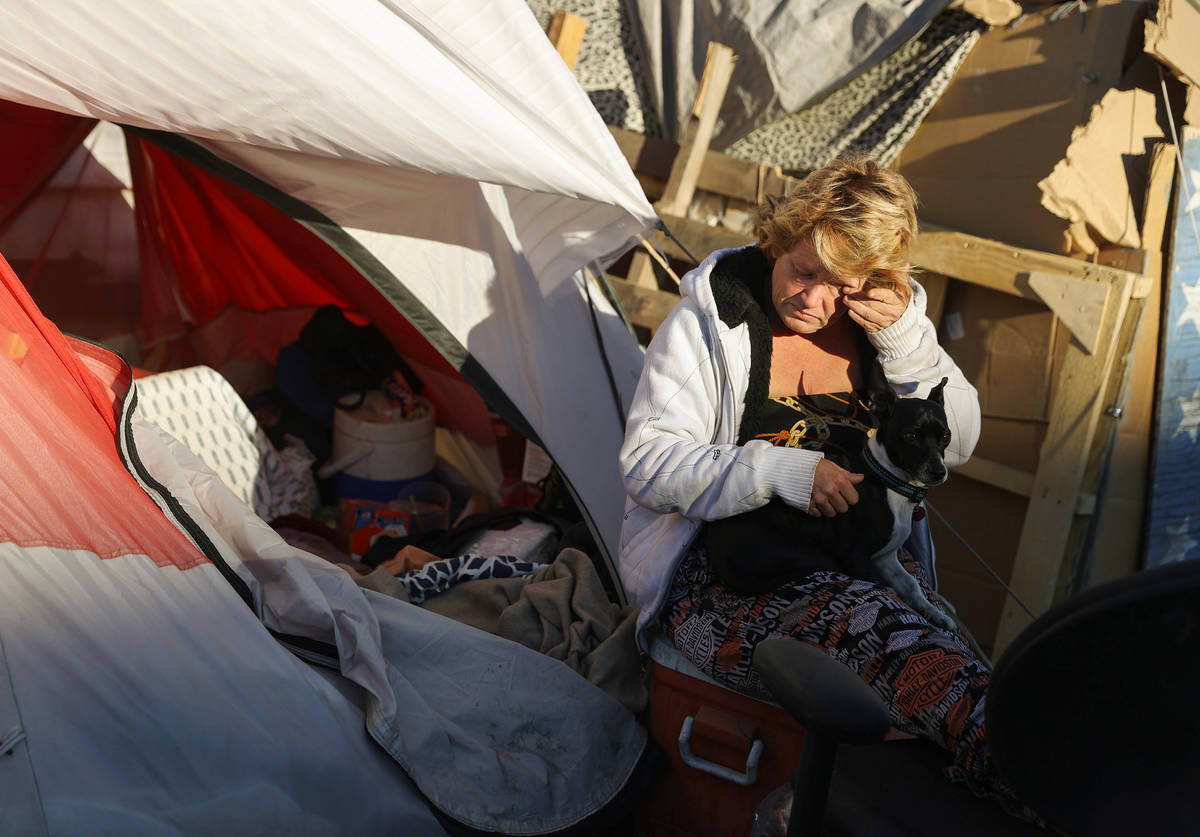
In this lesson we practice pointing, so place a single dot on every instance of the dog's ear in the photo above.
(883, 402)
(935, 394)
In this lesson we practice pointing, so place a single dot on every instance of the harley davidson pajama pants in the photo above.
(932, 682)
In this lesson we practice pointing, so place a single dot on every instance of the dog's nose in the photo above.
(938, 473)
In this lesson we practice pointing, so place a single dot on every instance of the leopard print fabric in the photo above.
(609, 66)
(875, 113)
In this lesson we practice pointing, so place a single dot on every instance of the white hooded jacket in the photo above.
(680, 460)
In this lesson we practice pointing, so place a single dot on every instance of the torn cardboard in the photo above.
(1191, 115)
(1172, 37)
(991, 12)
(1007, 117)
(1091, 184)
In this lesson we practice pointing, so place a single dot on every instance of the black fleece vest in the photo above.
(741, 288)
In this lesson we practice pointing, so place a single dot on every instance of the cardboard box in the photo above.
(1005, 346)
(362, 522)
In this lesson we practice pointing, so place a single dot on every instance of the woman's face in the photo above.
(807, 297)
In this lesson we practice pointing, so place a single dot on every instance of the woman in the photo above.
(766, 360)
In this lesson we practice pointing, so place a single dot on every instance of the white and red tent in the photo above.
(431, 165)
(169, 665)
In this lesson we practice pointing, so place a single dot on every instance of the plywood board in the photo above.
(1014, 442)
(1078, 304)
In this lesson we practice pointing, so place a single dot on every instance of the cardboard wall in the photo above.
(976, 595)
(1004, 345)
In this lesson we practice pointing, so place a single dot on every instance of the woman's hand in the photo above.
(833, 489)
(874, 309)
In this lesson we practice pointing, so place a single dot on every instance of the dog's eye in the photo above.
(911, 438)
(945, 440)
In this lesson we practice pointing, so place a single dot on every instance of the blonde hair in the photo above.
(860, 216)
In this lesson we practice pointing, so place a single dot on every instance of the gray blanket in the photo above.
(561, 611)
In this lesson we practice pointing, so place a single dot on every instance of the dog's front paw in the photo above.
(936, 616)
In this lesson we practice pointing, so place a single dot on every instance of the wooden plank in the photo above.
(972, 259)
(651, 158)
(566, 33)
(1146, 263)
(645, 307)
(1157, 204)
(1174, 513)
(995, 265)
(1103, 472)
(699, 238)
(729, 176)
(685, 170)
(1013, 480)
(1078, 304)
(1046, 530)
(641, 274)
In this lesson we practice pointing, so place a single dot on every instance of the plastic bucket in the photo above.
(428, 501)
(376, 450)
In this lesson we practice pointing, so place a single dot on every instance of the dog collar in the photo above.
(893, 482)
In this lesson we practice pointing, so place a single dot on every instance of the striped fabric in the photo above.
(199, 408)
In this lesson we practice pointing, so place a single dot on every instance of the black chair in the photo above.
(1093, 718)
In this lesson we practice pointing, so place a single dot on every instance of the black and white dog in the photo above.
(900, 462)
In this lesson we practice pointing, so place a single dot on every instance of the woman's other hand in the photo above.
(833, 490)
(874, 309)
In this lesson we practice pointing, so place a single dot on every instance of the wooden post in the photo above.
(685, 170)
(1118, 548)
(641, 270)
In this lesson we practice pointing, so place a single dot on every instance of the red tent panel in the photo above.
(34, 143)
(214, 255)
(63, 483)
